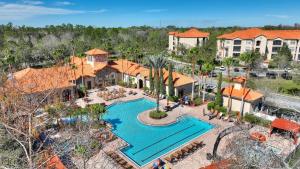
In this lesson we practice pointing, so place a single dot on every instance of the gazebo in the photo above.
(287, 125)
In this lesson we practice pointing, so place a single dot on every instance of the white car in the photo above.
(222, 68)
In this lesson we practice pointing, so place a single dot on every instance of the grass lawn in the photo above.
(278, 86)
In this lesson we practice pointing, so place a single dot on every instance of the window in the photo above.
(236, 48)
(248, 42)
(292, 49)
(277, 42)
(236, 54)
(248, 49)
(275, 49)
(90, 58)
(237, 42)
(292, 42)
(299, 57)
(258, 43)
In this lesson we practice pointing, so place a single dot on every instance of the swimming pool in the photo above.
(147, 143)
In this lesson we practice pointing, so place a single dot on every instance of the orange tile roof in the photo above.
(95, 52)
(191, 33)
(37, 80)
(133, 69)
(255, 32)
(55, 163)
(248, 94)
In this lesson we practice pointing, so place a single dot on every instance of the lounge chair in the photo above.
(167, 108)
(122, 162)
(219, 116)
(169, 159)
(127, 166)
(226, 118)
(211, 116)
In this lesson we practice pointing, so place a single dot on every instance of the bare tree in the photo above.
(245, 153)
(20, 99)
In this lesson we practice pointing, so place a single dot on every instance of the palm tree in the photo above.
(96, 111)
(206, 69)
(228, 62)
(250, 61)
(193, 53)
(157, 62)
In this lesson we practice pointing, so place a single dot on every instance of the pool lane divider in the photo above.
(172, 145)
(164, 139)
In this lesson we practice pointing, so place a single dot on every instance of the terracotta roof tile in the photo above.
(191, 33)
(95, 52)
(249, 94)
(255, 32)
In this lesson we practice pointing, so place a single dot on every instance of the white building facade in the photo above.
(188, 39)
(267, 42)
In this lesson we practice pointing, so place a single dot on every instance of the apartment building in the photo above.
(189, 39)
(267, 42)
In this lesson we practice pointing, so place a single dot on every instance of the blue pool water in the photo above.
(147, 143)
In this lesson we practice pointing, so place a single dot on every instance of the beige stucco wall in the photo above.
(266, 45)
(186, 42)
(236, 105)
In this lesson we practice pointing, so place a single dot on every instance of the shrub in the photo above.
(173, 98)
(158, 115)
(197, 101)
(222, 109)
(256, 120)
(121, 83)
(211, 105)
(145, 88)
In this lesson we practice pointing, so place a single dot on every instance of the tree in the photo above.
(170, 81)
(157, 62)
(228, 62)
(193, 53)
(18, 110)
(161, 81)
(206, 69)
(96, 111)
(219, 97)
(250, 60)
(151, 79)
(284, 57)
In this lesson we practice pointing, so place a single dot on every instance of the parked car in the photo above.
(271, 75)
(253, 74)
(286, 76)
(236, 69)
(222, 68)
(209, 87)
(212, 74)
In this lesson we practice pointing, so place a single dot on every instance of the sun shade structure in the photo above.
(286, 125)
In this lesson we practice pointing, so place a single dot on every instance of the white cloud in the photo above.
(22, 11)
(279, 16)
(64, 3)
(33, 2)
(13, 11)
(155, 10)
(99, 11)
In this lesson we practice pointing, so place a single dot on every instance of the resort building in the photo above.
(188, 39)
(267, 42)
(252, 99)
(94, 71)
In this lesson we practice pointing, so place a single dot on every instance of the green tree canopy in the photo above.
(284, 57)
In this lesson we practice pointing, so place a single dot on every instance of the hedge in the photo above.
(256, 120)
(197, 101)
(158, 115)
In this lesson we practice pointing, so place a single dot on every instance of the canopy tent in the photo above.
(286, 125)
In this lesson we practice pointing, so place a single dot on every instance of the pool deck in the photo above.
(194, 160)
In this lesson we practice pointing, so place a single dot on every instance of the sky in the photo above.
(157, 13)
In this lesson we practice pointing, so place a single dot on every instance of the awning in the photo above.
(286, 125)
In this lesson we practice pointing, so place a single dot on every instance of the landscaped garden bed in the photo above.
(158, 114)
